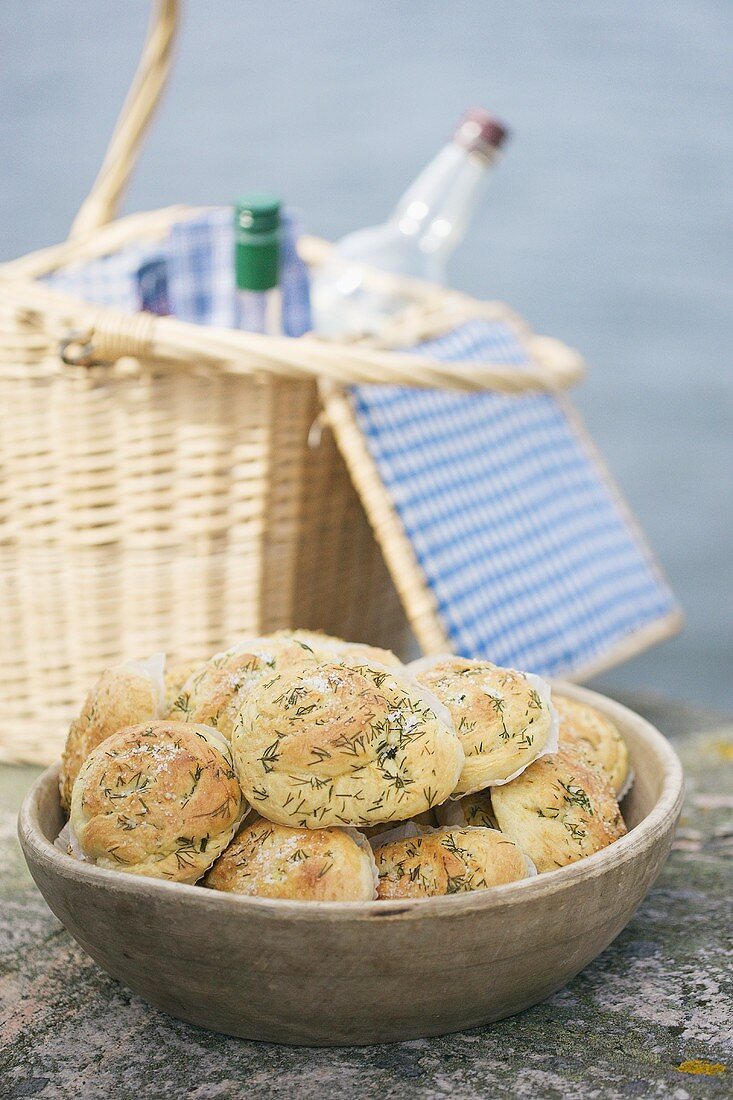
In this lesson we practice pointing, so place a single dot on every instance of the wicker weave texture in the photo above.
(172, 513)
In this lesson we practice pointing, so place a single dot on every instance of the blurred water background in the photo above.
(608, 224)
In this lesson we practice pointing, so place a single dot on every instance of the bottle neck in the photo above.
(437, 207)
(260, 311)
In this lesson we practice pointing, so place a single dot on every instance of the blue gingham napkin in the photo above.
(197, 261)
(522, 537)
(109, 280)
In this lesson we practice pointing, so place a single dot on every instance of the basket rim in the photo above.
(108, 335)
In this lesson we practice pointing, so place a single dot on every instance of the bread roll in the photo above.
(329, 743)
(504, 718)
(124, 695)
(448, 861)
(177, 673)
(559, 810)
(595, 737)
(213, 694)
(160, 799)
(274, 861)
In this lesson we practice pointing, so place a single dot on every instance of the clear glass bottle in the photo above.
(257, 230)
(428, 223)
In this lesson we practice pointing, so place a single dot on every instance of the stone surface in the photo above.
(652, 1017)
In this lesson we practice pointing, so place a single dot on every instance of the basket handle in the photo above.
(100, 206)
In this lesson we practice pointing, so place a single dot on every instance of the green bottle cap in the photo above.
(257, 236)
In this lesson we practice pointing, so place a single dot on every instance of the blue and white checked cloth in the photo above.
(109, 280)
(518, 529)
(199, 260)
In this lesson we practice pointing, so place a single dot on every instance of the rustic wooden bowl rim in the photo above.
(638, 840)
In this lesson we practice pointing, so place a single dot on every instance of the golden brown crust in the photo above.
(123, 696)
(160, 799)
(448, 861)
(213, 695)
(274, 861)
(214, 692)
(333, 744)
(595, 737)
(503, 721)
(559, 810)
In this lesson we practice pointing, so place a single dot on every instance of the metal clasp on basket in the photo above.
(84, 355)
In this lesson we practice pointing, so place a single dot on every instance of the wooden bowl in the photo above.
(334, 973)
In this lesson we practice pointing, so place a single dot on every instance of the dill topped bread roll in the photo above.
(559, 810)
(124, 695)
(595, 737)
(175, 677)
(330, 743)
(448, 861)
(213, 693)
(275, 861)
(472, 809)
(160, 799)
(322, 644)
(504, 718)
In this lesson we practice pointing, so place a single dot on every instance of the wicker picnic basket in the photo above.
(162, 487)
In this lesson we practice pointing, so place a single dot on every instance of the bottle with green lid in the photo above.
(257, 229)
